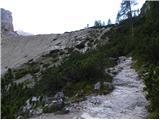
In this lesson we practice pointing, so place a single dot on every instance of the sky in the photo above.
(58, 16)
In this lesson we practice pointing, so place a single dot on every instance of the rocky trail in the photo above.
(127, 101)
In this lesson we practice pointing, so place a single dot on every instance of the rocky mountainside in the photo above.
(27, 58)
(6, 22)
(17, 50)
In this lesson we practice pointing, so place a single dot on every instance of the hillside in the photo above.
(17, 50)
(84, 73)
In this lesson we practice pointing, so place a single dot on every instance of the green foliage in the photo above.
(20, 73)
(50, 109)
(29, 68)
(150, 75)
(145, 45)
(78, 67)
(13, 96)
(103, 90)
(12, 100)
(6, 80)
(152, 86)
(78, 90)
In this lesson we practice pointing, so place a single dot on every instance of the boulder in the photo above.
(108, 85)
(34, 99)
(95, 101)
(59, 95)
(121, 59)
(37, 111)
(97, 86)
(59, 104)
(59, 100)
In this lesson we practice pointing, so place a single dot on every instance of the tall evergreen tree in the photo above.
(109, 21)
(126, 13)
(118, 18)
(126, 9)
(98, 23)
(103, 24)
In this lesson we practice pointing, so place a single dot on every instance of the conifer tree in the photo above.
(126, 13)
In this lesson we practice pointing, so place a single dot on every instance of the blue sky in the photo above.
(58, 16)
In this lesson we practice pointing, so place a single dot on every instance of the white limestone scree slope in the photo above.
(17, 50)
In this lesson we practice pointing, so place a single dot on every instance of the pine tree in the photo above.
(126, 13)
(109, 22)
(117, 19)
(103, 24)
(97, 23)
(126, 9)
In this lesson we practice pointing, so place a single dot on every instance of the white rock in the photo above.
(34, 99)
(97, 86)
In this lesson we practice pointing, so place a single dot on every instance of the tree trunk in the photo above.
(131, 20)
